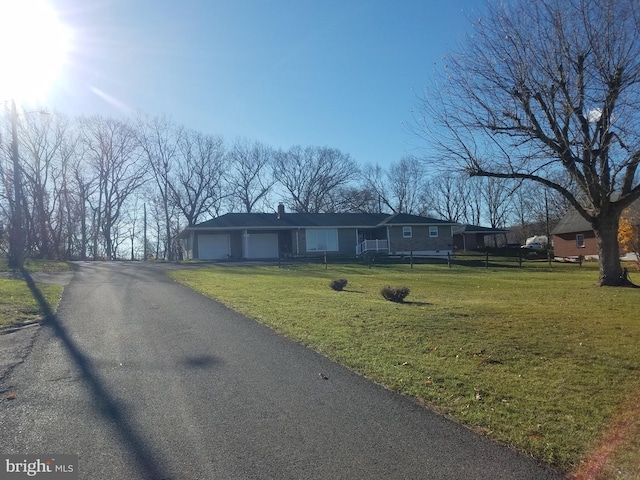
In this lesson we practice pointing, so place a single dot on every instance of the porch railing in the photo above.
(372, 246)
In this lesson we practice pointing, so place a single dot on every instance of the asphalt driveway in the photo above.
(146, 379)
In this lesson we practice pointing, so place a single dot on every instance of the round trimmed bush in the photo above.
(395, 294)
(338, 284)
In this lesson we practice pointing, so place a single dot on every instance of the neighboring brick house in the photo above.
(573, 236)
(241, 236)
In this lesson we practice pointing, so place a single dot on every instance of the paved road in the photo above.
(145, 379)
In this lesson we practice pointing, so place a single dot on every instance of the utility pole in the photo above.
(145, 232)
(16, 236)
(546, 212)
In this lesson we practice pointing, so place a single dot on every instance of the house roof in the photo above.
(232, 221)
(408, 219)
(467, 228)
(572, 222)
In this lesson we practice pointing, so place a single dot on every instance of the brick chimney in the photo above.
(280, 210)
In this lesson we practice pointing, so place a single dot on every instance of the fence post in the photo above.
(486, 260)
(411, 259)
(449, 259)
(325, 260)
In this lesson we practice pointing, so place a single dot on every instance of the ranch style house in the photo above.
(267, 236)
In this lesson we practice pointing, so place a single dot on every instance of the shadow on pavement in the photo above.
(146, 460)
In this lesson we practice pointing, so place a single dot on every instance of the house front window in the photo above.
(580, 240)
(322, 240)
(406, 232)
(433, 232)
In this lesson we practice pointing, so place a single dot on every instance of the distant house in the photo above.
(253, 236)
(473, 237)
(573, 236)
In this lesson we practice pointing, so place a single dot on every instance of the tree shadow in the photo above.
(105, 403)
(417, 304)
(200, 361)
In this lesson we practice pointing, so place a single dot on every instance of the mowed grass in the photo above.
(539, 358)
(18, 306)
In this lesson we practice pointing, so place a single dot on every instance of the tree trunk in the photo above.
(605, 228)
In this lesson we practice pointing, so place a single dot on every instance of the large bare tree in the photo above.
(543, 88)
(250, 180)
(112, 151)
(198, 188)
(48, 143)
(401, 188)
(311, 174)
(160, 139)
(446, 196)
(406, 180)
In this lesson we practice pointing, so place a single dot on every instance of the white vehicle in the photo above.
(534, 246)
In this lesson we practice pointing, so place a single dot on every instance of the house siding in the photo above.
(564, 245)
(420, 240)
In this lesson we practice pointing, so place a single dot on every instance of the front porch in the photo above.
(367, 246)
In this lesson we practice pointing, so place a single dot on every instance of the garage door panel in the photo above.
(214, 247)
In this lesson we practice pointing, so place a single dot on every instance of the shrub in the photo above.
(395, 294)
(338, 284)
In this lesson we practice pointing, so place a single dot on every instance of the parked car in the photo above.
(534, 246)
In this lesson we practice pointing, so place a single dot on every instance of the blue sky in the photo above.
(341, 73)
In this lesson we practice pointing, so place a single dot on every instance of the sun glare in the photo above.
(34, 46)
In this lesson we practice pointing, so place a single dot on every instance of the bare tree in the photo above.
(48, 143)
(250, 179)
(401, 188)
(160, 139)
(546, 87)
(309, 176)
(84, 184)
(66, 214)
(198, 188)
(5, 196)
(350, 199)
(496, 193)
(375, 180)
(446, 196)
(113, 152)
(406, 180)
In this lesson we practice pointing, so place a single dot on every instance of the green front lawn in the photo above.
(18, 306)
(538, 358)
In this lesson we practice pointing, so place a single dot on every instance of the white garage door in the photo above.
(213, 247)
(262, 245)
